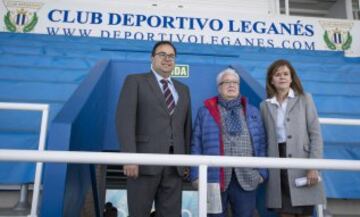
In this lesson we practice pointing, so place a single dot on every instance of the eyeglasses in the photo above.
(164, 55)
(228, 83)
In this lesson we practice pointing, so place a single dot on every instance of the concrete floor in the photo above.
(8, 202)
(335, 207)
(343, 208)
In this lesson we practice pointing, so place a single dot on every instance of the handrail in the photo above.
(86, 157)
(183, 160)
(23, 106)
(44, 109)
(339, 121)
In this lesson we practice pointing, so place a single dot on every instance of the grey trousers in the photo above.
(165, 189)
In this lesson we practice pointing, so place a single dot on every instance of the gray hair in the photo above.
(229, 71)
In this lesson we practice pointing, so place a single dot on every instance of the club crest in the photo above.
(21, 16)
(337, 35)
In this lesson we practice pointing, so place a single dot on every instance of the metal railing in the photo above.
(44, 109)
(339, 121)
(203, 162)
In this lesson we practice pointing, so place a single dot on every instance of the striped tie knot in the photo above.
(169, 99)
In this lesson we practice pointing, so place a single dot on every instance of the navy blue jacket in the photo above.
(207, 138)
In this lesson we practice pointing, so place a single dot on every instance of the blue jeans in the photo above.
(242, 202)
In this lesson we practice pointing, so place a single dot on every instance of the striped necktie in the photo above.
(169, 99)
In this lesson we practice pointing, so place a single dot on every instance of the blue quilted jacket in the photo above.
(207, 139)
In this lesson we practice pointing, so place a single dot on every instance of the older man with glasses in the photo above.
(228, 126)
(154, 116)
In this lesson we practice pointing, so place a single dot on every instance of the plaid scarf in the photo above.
(232, 115)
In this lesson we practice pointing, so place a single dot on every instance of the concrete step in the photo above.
(343, 207)
(9, 201)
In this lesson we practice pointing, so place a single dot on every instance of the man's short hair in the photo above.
(230, 71)
(159, 43)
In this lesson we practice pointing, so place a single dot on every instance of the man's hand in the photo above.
(131, 171)
(186, 173)
(312, 177)
(195, 184)
(261, 180)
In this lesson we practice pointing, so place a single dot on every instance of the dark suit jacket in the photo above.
(143, 121)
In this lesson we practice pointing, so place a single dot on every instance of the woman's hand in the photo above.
(312, 177)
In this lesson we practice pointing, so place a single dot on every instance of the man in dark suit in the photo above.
(154, 116)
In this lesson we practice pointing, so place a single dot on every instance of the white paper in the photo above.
(300, 182)
(214, 204)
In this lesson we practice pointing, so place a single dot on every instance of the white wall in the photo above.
(259, 7)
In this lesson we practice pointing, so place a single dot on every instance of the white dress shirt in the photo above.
(281, 115)
(170, 84)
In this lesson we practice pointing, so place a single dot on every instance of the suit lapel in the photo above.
(181, 95)
(154, 86)
(272, 110)
(291, 103)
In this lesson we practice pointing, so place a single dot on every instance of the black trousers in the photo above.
(285, 192)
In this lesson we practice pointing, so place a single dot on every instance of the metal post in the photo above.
(203, 190)
(320, 210)
(39, 165)
(287, 8)
(44, 108)
(277, 7)
(349, 10)
(23, 203)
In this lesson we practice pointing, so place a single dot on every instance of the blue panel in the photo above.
(22, 50)
(342, 184)
(25, 121)
(36, 74)
(80, 125)
(20, 172)
(36, 91)
(327, 88)
(338, 104)
(344, 135)
(44, 61)
(55, 174)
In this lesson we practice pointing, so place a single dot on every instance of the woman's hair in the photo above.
(295, 84)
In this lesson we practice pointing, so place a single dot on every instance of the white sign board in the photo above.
(112, 19)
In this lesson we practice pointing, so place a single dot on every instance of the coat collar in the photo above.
(273, 100)
(272, 103)
(158, 77)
